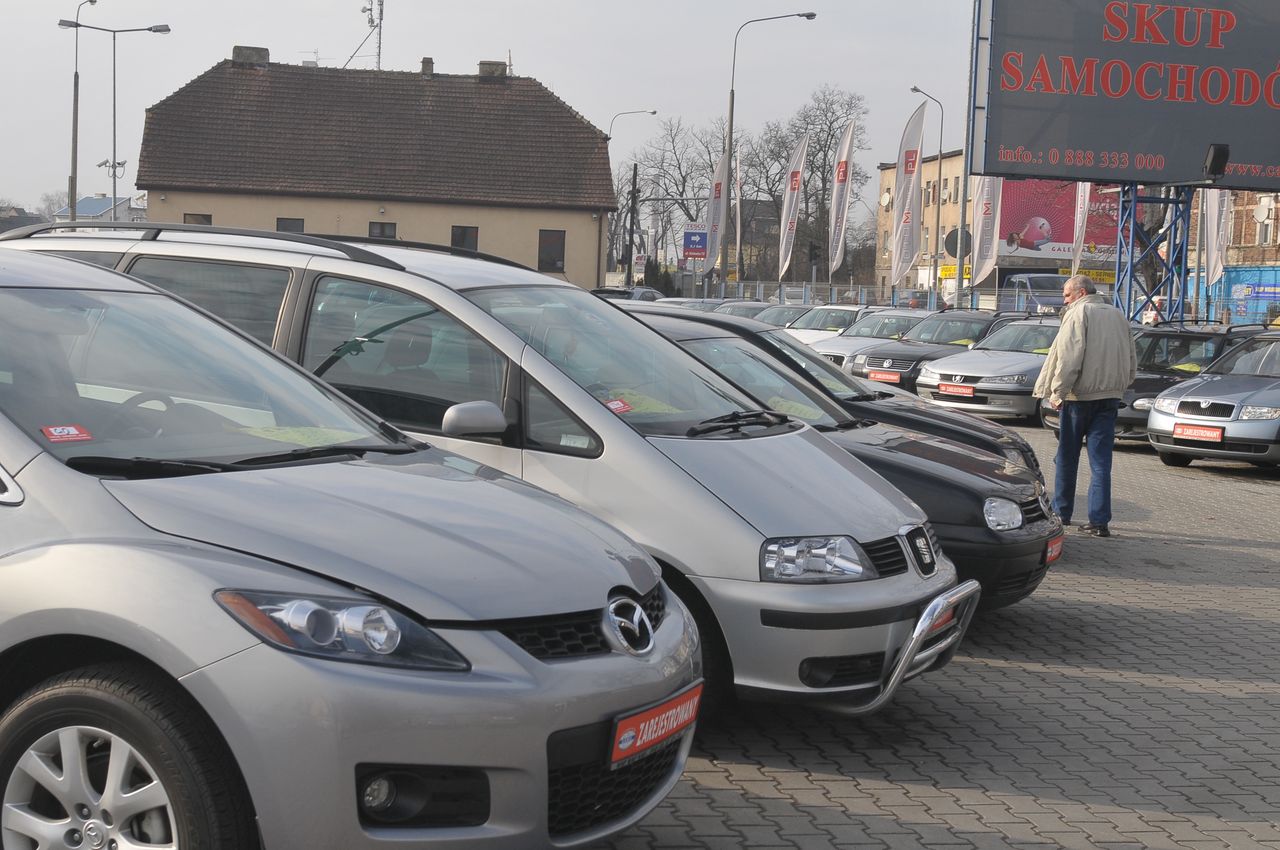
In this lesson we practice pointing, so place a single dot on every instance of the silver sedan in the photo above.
(996, 376)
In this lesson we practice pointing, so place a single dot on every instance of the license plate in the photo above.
(887, 377)
(1053, 551)
(955, 389)
(1206, 433)
(637, 733)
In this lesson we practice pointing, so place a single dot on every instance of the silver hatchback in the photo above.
(237, 610)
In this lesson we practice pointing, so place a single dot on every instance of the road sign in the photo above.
(695, 242)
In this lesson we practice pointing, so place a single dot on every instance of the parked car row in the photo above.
(360, 548)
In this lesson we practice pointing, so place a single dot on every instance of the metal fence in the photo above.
(776, 293)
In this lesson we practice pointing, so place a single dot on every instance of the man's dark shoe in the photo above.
(1095, 530)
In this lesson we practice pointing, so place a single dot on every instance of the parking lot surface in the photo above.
(1132, 702)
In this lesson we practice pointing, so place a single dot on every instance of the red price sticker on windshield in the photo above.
(617, 405)
(66, 433)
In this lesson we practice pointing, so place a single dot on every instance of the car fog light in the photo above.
(379, 793)
(371, 626)
(314, 621)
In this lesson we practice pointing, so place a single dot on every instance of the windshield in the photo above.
(1260, 357)
(647, 382)
(746, 311)
(949, 330)
(1175, 352)
(139, 375)
(774, 385)
(877, 326)
(825, 319)
(835, 381)
(1030, 339)
(781, 315)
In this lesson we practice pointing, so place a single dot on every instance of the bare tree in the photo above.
(51, 202)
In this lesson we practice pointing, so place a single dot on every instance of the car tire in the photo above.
(120, 717)
(1171, 459)
(717, 666)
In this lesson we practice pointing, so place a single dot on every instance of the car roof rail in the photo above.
(151, 231)
(426, 246)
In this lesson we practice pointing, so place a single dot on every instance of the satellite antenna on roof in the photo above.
(316, 59)
(375, 25)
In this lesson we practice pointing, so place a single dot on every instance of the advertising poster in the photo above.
(1037, 221)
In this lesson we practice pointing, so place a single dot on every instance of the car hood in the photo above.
(981, 363)
(1236, 389)
(809, 336)
(906, 349)
(795, 483)
(419, 530)
(849, 345)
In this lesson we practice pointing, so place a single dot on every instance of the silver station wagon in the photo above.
(238, 611)
(792, 555)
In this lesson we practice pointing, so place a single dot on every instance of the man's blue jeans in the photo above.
(1094, 423)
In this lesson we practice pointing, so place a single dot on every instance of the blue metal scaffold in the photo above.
(1167, 248)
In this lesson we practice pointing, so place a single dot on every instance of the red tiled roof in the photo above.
(387, 135)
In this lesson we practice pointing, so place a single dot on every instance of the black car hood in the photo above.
(1152, 383)
(908, 349)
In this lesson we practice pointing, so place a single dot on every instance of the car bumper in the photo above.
(902, 380)
(785, 640)
(986, 400)
(1008, 564)
(1255, 441)
(299, 728)
(1131, 424)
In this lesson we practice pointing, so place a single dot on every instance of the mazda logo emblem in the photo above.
(627, 623)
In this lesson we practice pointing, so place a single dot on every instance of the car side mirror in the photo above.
(474, 419)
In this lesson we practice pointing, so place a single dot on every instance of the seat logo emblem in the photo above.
(922, 546)
(628, 624)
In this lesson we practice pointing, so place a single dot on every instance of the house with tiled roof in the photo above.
(102, 207)
(488, 161)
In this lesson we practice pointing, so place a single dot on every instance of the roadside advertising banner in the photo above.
(1217, 221)
(1038, 220)
(1083, 190)
(907, 198)
(791, 204)
(717, 209)
(840, 198)
(986, 231)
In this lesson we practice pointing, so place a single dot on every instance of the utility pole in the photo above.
(632, 210)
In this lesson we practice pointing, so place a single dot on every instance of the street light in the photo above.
(117, 167)
(609, 135)
(937, 209)
(72, 188)
(733, 70)
(632, 198)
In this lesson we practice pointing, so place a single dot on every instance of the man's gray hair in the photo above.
(1082, 283)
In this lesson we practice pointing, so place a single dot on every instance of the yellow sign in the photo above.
(950, 271)
(1095, 275)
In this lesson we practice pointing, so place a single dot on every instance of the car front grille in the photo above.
(1224, 446)
(575, 635)
(837, 359)
(890, 363)
(1023, 582)
(1032, 511)
(582, 792)
(842, 671)
(1215, 410)
(887, 556)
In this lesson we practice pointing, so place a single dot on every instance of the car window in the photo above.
(647, 382)
(836, 381)
(1176, 352)
(944, 329)
(129, 375)
(1260, 357)
(882, 327)
(1032, 339)
(398, 355)
(107, 259)
(824, 319)
(780, 315)
(550, 427)
(747, 367)
(248, 297)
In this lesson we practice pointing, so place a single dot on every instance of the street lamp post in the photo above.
(937, 209)
(72, 188)
(609, 135)
(116, 165)
(733, 70)
(632, 196)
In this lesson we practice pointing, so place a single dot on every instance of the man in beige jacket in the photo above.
(1090, 365)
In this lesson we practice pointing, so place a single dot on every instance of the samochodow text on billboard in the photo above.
(1121, 91)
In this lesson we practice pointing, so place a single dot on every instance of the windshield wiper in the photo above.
(146, 467)
(313, 452)
(735, 421)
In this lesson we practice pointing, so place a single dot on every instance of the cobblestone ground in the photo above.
(1132, 702)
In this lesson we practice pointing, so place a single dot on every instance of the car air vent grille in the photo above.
(1216, 409)
(654, 604)
(842, 671)
(1019, 583)
(588, 794)
(578, 634)
(837, 359)
(890, 363)
(1032, 510)
(887, 556)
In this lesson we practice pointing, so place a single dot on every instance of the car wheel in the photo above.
(1171, 459)
(717, 666)
(117, 757)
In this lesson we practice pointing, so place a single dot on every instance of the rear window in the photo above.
(248, 297)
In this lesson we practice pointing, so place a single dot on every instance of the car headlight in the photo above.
(1251, 411)
(1143, 403)
(929, 375)
(1005, 379)
(1166, 405)
(1001, 514)
(361, 630)
(814, 560)
(859, 359)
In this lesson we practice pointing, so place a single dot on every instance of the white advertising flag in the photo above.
(737, 217)
(986, 218)
(791, 204)
(1217, 218)
(1083, 192)
(840, 197)
(907, 199)
(717, 211)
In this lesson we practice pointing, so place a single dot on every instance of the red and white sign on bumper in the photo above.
(635, 734)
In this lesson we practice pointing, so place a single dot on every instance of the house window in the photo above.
(289, 225)
(928, 192)
(924, 244)
(885, 242)
(465, 237)
(955, 188)
(197, 218)
(1264, 232)
(383, 229)
(551, 251)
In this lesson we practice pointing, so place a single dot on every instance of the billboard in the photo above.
(1037, 221)
(1111, 91)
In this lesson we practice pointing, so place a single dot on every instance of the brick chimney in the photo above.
(428, 66)
(250, 57)
(495, 70)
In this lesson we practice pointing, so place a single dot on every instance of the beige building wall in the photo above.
(941, 202)
(504, 231)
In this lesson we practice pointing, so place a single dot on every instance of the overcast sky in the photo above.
(600, 56)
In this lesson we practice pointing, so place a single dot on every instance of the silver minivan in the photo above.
(793, 556)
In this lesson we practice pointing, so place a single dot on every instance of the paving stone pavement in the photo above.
(1132, 702)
